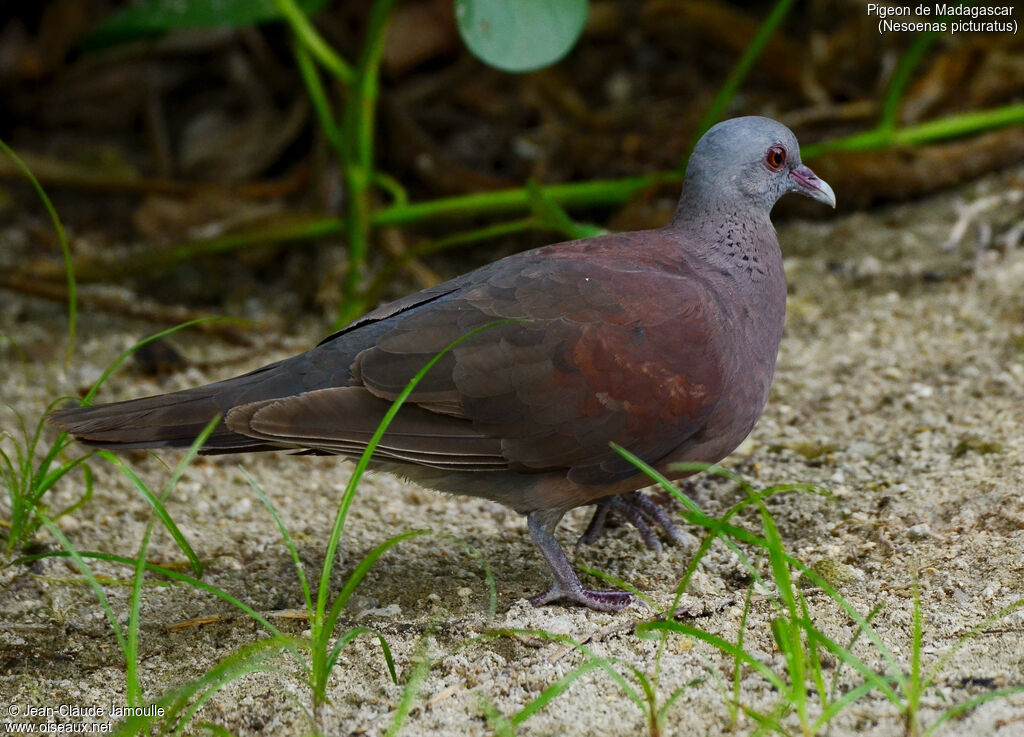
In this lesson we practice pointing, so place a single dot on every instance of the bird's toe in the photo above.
(602, 601)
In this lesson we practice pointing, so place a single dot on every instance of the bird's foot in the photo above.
(602, 601)
(640, 512)
(566, 587)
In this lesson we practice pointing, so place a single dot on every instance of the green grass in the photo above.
(639, 687)
(65, 249)
(28, 471)
(316, 656)
(30, 467)
(348, 121)
(806, 701)
(717, 109)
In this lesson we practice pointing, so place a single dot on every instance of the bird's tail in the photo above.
(176, 419)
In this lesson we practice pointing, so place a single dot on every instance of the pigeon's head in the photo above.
(752, 161)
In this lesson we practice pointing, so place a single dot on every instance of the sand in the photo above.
(900, 389)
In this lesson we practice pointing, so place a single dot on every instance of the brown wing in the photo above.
(615, 346)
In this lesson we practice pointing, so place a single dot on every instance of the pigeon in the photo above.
(662, 341)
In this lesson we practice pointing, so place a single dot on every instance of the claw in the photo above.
(596, 527)
(602, 601)
(566, 587)
(639, 511)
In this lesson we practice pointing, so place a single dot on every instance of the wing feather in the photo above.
(613, 344)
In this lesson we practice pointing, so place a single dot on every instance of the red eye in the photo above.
(775, 158)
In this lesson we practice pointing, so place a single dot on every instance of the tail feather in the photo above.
(167, 420)
(176, 419)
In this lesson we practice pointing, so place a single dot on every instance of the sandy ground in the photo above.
(900, 389)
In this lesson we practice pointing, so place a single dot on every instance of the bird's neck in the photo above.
(736, 250)
(730, 236)
(739, 258)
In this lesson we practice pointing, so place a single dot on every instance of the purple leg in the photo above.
(567, 586)
(641, 512)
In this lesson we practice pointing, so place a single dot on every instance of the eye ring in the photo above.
(775, 158)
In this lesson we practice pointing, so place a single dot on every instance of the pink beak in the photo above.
(807, 183)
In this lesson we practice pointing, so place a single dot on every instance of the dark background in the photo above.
(202, 134)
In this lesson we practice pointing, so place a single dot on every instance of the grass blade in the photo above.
(248, 659)
(963, 708)
(663, 711)
(133, 689)
(604, 663)
(418, 674)
(126, 354)
(354, 633)
(62, 240)
(364, 462)
(976, 629)
(742, 68)
(359, 573)
(718, 642)
(158, 508)
(499, 723)
(313, 42)
(299, 570)
(175, 576)
(94, 584)
(901, 78)
(552, 692)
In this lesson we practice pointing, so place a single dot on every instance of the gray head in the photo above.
(749, 163)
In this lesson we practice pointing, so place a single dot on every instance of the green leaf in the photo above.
(523, 35)
(153, 17)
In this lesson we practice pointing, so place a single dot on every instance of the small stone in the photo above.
(391, 611)
(922, 391)
(973, 444)
(68, 523)
(869, 266)
(862, 449)
(360, 603)
(241, 508)
(833, 572)
(920, 532)
(619, 87)
(760, 655)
